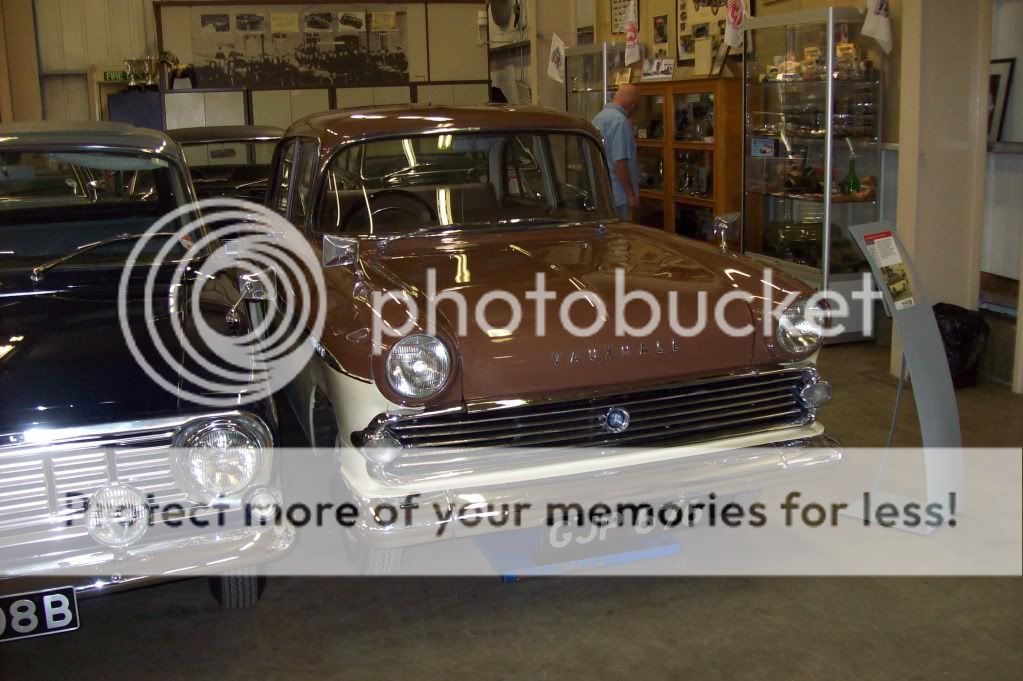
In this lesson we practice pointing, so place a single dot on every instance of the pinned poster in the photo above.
(737, 13)
(556, 59)
(630, 27)
(384, 21)
(284, 22)
(885, 252)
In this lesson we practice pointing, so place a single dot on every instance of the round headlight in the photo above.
(222, 456)
(801, 327)
(418, 366)
(117, 515)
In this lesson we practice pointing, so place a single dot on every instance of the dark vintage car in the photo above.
(483, 200)
(229, 160)
(81, 422)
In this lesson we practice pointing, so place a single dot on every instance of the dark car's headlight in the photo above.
(801, 327)
(418, 366)
(223, 455)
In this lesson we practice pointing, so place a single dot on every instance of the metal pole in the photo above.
(828, 147)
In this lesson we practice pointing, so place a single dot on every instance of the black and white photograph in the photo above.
(331, 47)
(345, 340)
(215, 23)
(318, 22)
(351, 22)
(247, 22)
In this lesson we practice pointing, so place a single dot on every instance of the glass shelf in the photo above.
(651, 168)
(694, 174)
(694, 117)
(648, 119)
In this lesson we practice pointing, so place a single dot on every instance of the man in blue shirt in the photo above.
(620, 148)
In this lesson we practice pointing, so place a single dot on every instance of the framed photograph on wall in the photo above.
(618, 9)
(999, 88)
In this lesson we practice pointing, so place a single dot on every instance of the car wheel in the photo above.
(372, 561)
(366, 560)
(241, 589)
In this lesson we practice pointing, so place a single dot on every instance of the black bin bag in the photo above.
(964, 333)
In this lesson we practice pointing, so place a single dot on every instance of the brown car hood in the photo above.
(503, 364)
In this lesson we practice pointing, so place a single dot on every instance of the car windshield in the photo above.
(233, 169)
(464, 180)
(52, 203)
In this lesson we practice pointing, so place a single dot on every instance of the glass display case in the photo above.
(590, 73)
(691, 171)
(812, 143)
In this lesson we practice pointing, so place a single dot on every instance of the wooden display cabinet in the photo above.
(689, 139)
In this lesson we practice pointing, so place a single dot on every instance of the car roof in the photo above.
(348, 125)
(225, 133)
(85, 133)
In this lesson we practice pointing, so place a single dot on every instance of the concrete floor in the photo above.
(765, 629)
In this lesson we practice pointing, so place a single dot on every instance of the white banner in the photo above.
(556, 59)
(630, 27)
(737, 13)
(878, 25)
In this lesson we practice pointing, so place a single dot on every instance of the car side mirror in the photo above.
(259, 286)
(340, 251)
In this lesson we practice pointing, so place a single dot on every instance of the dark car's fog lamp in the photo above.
(222, 456)
(381, 448)
(117, 515)
(816, 394)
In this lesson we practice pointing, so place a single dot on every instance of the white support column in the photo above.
(943, 145)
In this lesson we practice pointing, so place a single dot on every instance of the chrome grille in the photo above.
(696, 411)
(37, 482)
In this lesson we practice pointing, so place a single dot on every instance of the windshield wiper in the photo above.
(39, 272)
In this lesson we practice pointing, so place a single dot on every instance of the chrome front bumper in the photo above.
(722, 472)
(99, 571)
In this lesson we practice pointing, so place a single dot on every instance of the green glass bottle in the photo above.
(852, 180)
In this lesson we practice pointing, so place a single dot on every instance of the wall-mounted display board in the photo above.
(300, 45)
(263, 45)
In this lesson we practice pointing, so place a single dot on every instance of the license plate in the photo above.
(38, 613)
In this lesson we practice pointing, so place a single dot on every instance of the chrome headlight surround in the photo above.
(801, 328)
(418, 366)
(221, 456)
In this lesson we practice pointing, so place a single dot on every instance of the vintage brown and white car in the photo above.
(459, 203)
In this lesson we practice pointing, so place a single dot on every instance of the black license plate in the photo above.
(38, 613)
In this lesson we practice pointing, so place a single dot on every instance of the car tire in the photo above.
(371, 561)
(237, 590)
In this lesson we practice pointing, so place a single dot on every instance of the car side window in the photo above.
(282, 186)
(522, 170)
(305, 172)
(342, 191)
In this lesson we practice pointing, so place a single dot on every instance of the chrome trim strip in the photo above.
(39, 437)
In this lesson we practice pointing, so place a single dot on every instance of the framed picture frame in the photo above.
(618, 9)
(999, 89)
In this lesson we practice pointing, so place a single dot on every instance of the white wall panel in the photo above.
(224, 108)
(185, 109)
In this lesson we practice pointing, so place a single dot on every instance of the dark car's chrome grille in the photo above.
(692, 412)
(36, 483)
